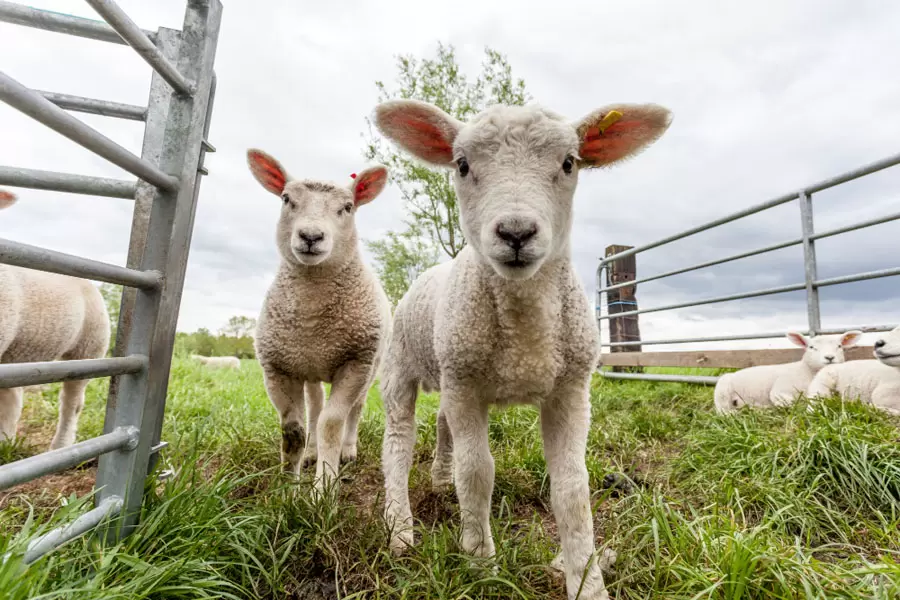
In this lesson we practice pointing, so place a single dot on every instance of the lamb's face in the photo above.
(317, 217)
(824, 350)
(515, 177)
(517, 167)
(887, 348)
(316, 223)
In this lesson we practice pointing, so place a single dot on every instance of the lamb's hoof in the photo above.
(606, 561)
(309, 460)
(348, 454)
(401, 542)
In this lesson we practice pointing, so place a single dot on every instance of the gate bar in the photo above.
(39, 108)
(138, 40)
(18, 14)
(110, 507)
(51, 261)
(37, 373)
(93, 106)
(704, 379)
(67, 182)
(748, 336)
(857, 277)
(765, 292)
(12, 474)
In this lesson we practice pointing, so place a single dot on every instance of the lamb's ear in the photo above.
(798, 339)
(367, 185)
(267, 171)
(7, 199)
(615, 132)
(851, 338)
(421, 129)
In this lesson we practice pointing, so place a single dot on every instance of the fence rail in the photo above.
(177, 121)
(811, 284)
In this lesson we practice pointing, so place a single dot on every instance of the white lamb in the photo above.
(44, 317)
(779, 385)
(507, 321)
(218, 362)
(325, 317)
(875, 382)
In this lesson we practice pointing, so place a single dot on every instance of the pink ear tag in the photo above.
(352, 175)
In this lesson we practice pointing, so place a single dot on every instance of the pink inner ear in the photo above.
(268, 173)
(368, 186)
(617, 141)
(416, 132)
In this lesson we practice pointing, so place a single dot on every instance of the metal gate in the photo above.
(811, 283)
(177, 122)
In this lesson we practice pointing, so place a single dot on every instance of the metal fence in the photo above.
(176, 125)
(811, 284)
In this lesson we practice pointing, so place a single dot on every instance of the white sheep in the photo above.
(325, 317)
(779, 385)
(218, 362)
(875, 382)
(507, 321)
(46, 317)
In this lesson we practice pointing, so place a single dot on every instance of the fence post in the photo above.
(623, 329)
(809, 263)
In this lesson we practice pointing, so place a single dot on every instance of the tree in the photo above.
(400, 258)
(239, 326)
(433, 224)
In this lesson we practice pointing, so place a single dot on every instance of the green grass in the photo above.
(777, 504)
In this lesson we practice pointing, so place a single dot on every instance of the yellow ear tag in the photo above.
(610, 119)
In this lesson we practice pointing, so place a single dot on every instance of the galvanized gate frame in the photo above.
(177, 122)
(811, 282)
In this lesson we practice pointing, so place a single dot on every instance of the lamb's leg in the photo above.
(442, 467)
(351, 432)
(349, 383)
(399, 397)
(564, 425)
(10, 411)
(315, 398)
(71, 402)
(467, 418)
(286, 394)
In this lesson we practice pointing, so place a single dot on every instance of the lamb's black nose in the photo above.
(516, 235)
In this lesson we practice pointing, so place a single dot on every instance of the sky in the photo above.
(768, 97)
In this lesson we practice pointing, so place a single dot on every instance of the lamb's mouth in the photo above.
(517, 263)
(882, 355)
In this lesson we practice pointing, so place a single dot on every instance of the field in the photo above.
(782, 504)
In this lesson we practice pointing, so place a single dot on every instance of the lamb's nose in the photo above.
(311, 237)
(880, 344)
(829, 358)
(516, 235)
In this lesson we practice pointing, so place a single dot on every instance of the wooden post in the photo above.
(623, 329)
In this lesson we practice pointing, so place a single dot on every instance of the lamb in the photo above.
(45, 317)
(216, 362)
(507, 321)
(875, 382)
(325, 317)
(779, 385)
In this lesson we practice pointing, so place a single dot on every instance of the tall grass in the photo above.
(781, 504)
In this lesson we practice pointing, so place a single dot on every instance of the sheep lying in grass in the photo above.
(507, 321)
(44, 317)
(325, 317)
(217, 362)
(875, 382)
(779, 385)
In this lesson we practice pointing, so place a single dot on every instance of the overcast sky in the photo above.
(768, 96)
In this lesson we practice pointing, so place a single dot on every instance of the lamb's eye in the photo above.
(347, 208)
(463, 165)
(568, 164)
(285, 198)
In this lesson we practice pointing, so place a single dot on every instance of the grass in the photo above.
(780, 504)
